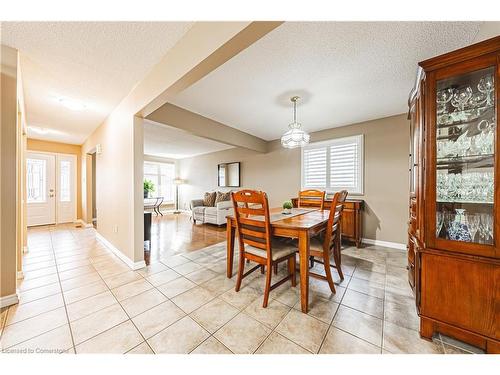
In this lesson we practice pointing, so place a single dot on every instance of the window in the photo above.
(334, 165)
(162, 176)
(36, 180)
(65, 180)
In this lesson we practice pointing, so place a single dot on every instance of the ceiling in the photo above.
(345, 72)
(169, 142)
(87, 64)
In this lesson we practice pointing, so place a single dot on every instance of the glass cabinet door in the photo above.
(465, 157)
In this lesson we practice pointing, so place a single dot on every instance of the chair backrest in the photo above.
(312, 198)
(251, 212)
(333, 226)
(343, 196)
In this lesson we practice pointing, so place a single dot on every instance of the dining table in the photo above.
(300, 224)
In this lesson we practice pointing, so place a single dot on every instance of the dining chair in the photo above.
(253, 225)
(311, 198)
(330, 243)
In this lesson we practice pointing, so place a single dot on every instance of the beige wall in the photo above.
(8, 176)
(63, 148)
(278, 173)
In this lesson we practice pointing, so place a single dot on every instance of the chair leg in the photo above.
(269, 273)
(311, 260)
(241, 268)
(328, 271)
(275, 267)
(337, 258)
(262, 269)
(291, 269)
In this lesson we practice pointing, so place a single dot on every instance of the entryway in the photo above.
(50, 188)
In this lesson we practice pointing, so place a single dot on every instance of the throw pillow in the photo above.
(209, 199)
(222, 197)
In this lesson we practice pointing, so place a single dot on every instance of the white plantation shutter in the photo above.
(315, 167)
(334, 165)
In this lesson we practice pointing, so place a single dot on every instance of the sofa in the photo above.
(213, 215)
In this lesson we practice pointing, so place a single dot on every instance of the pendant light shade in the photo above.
(295, 136)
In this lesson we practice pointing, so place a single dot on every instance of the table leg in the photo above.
(304, 270)
(230, 248)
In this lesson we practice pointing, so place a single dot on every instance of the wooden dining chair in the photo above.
(311, 198)
(321, 249)
(253, 225)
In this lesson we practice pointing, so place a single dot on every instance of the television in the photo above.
(229, 174)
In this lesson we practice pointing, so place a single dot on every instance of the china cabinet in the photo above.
(454, 212)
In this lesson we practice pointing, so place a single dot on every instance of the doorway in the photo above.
(50, 188)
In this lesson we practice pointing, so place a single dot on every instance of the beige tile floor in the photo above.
(77, 297)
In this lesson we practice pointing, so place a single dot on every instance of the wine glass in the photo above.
(461, 97)
(486, 228)
(439, 222)
(442, 97)
(473, 220)
(486, 86)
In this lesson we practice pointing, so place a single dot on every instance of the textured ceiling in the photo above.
(168, 142)
(96, 63)
(346, 72)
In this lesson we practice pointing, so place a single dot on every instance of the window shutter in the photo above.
(314, 167)
(344, 165)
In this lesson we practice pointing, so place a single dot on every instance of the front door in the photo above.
(40, 188)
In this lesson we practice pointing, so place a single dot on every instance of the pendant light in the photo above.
(295, 136)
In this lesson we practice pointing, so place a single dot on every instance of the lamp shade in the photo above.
(178, 181)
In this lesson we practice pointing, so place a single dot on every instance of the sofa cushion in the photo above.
(211, 211)
(199, 210)
(221, 197)
(209, 199)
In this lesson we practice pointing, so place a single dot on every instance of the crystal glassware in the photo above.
(461, 97)
(486, 86)
(473, 221)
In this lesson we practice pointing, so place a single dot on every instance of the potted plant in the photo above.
(287, 207)
(148, 187)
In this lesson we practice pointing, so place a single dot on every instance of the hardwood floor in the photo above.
(176, 234)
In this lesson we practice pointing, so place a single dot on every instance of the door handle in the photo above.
(51, 195)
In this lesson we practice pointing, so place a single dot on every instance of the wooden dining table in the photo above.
(301, 226)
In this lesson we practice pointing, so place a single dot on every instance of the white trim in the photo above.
(133, 266)
(83, 223)
(20, 275)
(392, 245)
(9, 300)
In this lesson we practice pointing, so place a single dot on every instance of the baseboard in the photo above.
(20, 275)
(84, 224)
(133, 265)
(9, 300)
(392, 245)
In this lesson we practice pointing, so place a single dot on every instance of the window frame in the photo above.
(158, 164)
(359, 139)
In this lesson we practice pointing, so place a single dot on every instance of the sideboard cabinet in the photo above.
(454, 211)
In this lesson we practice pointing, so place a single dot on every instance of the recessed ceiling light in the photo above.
(74, 105)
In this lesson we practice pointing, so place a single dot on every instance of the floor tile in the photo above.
(193, 299)
(152, 269)
(403, 340)
(131, 289)
(173, 261)
(201, 276)
(100, 321)
(86, 291)
(66, 275)
(180, 338)
(277, 344)
(219, 284)
(121, 279)
(176, 287)
(362, 302)
(320, 308)
(241, 299)
(142, 348)
(24, 285)
(367, 287)
(80, 281)
(359, 324)
(340, 342)
(162, 277)
(158, 318)
(360, 273)
(402, 315)
(186, 268)
(270, 316)
(449, 341)
(142, 302)
(211, 346)
(303, 329)
(31, 309)
(214, 314)
(29, 328)
(119, 339)
(87, 306)
(243, 334)
(53, 342)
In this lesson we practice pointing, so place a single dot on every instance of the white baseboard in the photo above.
(133, 265)
(20, 275)
(392, 245)
(84, 224)
(9, 300)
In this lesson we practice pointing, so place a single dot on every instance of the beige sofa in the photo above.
(214, 215)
